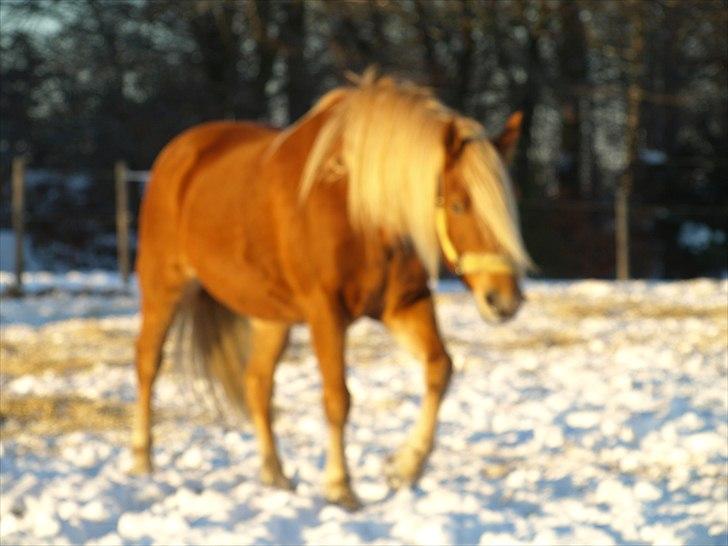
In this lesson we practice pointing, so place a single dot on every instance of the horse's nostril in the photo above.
(491, 298)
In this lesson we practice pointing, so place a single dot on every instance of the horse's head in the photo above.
(410, 162)
(477, 223)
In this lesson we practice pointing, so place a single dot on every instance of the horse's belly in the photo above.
(247, 292)
(218, 260)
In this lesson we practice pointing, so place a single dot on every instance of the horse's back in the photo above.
(172, 170)
(217, 135)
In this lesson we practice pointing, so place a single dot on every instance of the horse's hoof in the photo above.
(141, 467)
(271, 475)
(395, 481)
(342, 495)
(278, 481)
(404, 468)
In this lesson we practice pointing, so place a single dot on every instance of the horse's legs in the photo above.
(328, 329)
(157, 310)
(415, 327)
(268, 340)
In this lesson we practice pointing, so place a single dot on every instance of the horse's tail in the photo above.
(212, 346)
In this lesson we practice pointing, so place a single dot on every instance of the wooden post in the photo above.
(122, 221)
(621, 227)
(634, 12)
(625, 183)
(18, 220)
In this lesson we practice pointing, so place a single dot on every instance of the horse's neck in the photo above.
(301, 135)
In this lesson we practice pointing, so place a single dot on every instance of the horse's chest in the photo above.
(363, 293)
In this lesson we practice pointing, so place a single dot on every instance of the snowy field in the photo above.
(598, 416)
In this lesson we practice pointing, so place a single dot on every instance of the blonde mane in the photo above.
(388, 139)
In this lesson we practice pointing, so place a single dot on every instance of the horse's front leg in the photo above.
(328, 330)
(415, 326)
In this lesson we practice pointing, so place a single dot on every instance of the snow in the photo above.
(61, 296)
(7, 254)
(74, 282)
(598, 416)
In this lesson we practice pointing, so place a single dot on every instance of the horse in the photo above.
(247, 230)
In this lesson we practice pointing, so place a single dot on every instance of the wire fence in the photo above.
(581, 231)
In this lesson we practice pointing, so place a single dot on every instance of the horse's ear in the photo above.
(454, 142)
(507, 141)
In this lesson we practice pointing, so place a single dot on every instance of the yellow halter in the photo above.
(469, 262)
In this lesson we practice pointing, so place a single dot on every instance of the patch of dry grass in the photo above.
(51, 349)
(544, 339)
(624, 308)
(61, 414)
(620, 307)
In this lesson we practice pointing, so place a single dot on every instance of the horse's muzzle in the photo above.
(506, 307)
(496, 306)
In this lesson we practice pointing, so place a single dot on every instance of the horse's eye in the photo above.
(458, 207)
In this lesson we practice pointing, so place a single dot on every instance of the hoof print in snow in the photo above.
(18, 508)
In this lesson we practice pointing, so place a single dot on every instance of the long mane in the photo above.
(388, 140)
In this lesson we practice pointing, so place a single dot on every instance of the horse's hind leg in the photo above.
(415, 327)
(268, 340)
(159, 302)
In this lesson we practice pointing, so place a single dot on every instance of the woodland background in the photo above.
(625, 104)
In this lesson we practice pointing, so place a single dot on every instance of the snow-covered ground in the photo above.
(598, 416)
(77, 294)
(7, 252)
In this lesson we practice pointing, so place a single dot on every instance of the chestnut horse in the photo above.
(248, 230)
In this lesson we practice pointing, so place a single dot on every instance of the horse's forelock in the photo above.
(486, 179)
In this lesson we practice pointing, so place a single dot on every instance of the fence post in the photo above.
(122, 221)
(621, 221)
(18, 220)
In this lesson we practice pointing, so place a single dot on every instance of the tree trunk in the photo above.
(432, 65)
(297, 85)
(465, 58)
(259, 15)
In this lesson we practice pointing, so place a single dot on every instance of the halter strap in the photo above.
(468, 262)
